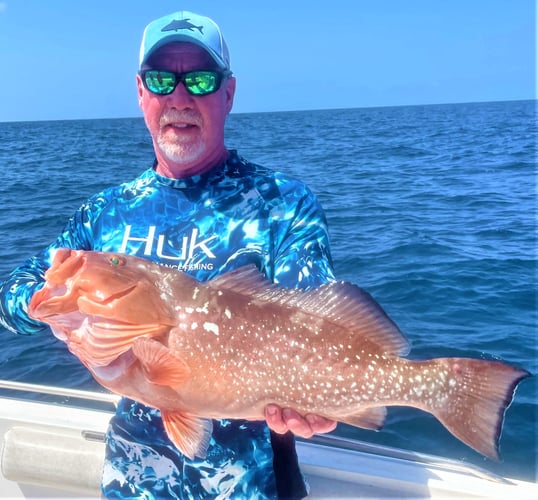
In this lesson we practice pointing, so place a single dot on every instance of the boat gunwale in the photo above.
(328, 440)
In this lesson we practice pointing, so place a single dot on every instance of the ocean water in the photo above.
(432, 209)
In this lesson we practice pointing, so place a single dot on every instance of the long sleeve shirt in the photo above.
(238, 213)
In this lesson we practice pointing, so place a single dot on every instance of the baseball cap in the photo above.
(185, 26)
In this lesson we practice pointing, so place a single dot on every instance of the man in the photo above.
(204, 210)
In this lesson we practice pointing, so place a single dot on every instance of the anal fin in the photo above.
(370, 418)
(189, 433)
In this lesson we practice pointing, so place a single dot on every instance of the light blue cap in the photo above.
(185, 26)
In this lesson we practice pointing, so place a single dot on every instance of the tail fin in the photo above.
(476, 405)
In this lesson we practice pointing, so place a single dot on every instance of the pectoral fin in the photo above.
(189, 433)
(160, 366)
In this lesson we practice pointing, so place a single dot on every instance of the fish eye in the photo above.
(116, 261)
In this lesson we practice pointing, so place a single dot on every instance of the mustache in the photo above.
(174, 116)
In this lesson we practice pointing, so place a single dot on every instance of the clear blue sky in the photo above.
(64, 59)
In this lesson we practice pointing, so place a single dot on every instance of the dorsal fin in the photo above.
(245, 280)
(342, 303)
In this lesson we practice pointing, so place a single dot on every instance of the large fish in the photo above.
(228, 347)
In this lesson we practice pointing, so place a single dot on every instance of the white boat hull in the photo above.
(55, 450)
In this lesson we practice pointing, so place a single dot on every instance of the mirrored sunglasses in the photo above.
(200, 82)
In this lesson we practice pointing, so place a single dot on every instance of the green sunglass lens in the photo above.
(160, 82)
(196, 82)
(201, 82)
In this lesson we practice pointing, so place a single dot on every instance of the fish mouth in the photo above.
(66, 263)
(46, 302)
(56, 295)
(97, 305)
(67, 291)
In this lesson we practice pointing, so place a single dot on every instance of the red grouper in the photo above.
(228, 347)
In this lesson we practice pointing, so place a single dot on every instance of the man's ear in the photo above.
(230, 93)
(140, 87)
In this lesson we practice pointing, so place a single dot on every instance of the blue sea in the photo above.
(432, 209)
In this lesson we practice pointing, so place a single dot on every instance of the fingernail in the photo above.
(271, 410)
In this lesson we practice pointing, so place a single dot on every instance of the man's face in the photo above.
(187, 130)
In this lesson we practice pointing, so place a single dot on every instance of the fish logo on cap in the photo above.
(183, 24)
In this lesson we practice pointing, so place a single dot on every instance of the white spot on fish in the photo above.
(204, 309)
(228, 313)
(419, 390)
(195, 293)
(211, 327)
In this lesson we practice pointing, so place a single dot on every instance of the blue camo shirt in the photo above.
(238, 213)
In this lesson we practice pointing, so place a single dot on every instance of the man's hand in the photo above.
(282, 420)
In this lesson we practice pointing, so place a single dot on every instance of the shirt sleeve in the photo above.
(17, 290)
(302, 256)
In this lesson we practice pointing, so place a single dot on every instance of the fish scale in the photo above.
(228, 347)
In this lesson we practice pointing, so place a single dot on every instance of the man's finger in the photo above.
(273, 416)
